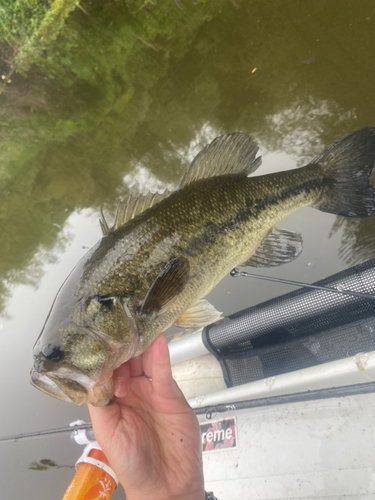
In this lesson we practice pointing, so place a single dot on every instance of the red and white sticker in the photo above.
(219, 435)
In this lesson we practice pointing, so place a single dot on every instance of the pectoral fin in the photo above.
(202, 313)
(278, 247)
(170, 282)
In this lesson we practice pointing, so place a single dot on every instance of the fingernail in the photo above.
(120, 388)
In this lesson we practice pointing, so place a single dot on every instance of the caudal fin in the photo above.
(347, 166)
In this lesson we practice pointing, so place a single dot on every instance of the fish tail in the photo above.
(347, 166)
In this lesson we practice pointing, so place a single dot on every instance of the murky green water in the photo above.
(126, 114)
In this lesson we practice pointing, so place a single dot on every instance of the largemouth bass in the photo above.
(165, 252)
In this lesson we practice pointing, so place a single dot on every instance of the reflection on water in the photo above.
(291, 135)
(127, 95)
(198, 84)
(357, 239)
(141, 181)
(45, 464)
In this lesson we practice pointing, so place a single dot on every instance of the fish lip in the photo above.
(46, 384)
(96, 393)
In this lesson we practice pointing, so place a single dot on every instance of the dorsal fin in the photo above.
(103, 224)
(227, 154)
(132, 207)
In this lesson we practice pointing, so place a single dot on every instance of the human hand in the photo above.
(149, 434)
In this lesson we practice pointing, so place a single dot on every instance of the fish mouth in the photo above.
(47, 385)
(72, 387)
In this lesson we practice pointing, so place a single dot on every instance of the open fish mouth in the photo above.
(78, 388)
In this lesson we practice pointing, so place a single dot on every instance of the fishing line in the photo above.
(236, 273)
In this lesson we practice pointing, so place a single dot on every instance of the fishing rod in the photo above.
(236, 273)
(50, 432)
(297, 397)
(311, 395)
(94, 475)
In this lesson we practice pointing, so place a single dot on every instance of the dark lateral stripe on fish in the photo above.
(244, 214)
(197, 243)
(276, 198)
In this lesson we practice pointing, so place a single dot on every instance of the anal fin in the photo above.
(279, 247)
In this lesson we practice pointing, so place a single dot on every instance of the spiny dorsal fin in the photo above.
(103, 224)
(227, 154)
(279, 247)
(133, 206)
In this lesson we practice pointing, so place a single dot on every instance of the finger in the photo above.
(104, 420)
(161, 371)
(147, 361)
(121, 379)
(136, 366)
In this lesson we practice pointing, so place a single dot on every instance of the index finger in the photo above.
(121, 376)
(121, 380)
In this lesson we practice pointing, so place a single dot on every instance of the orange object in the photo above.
(94, 479)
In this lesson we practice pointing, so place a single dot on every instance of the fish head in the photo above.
(83, 340)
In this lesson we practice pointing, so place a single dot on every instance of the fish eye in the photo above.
(52, 352)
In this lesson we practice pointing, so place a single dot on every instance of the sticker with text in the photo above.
(219, 435)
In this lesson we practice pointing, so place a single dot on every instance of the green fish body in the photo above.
(166, 252)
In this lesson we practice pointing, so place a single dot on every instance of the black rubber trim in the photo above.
(212, 350)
